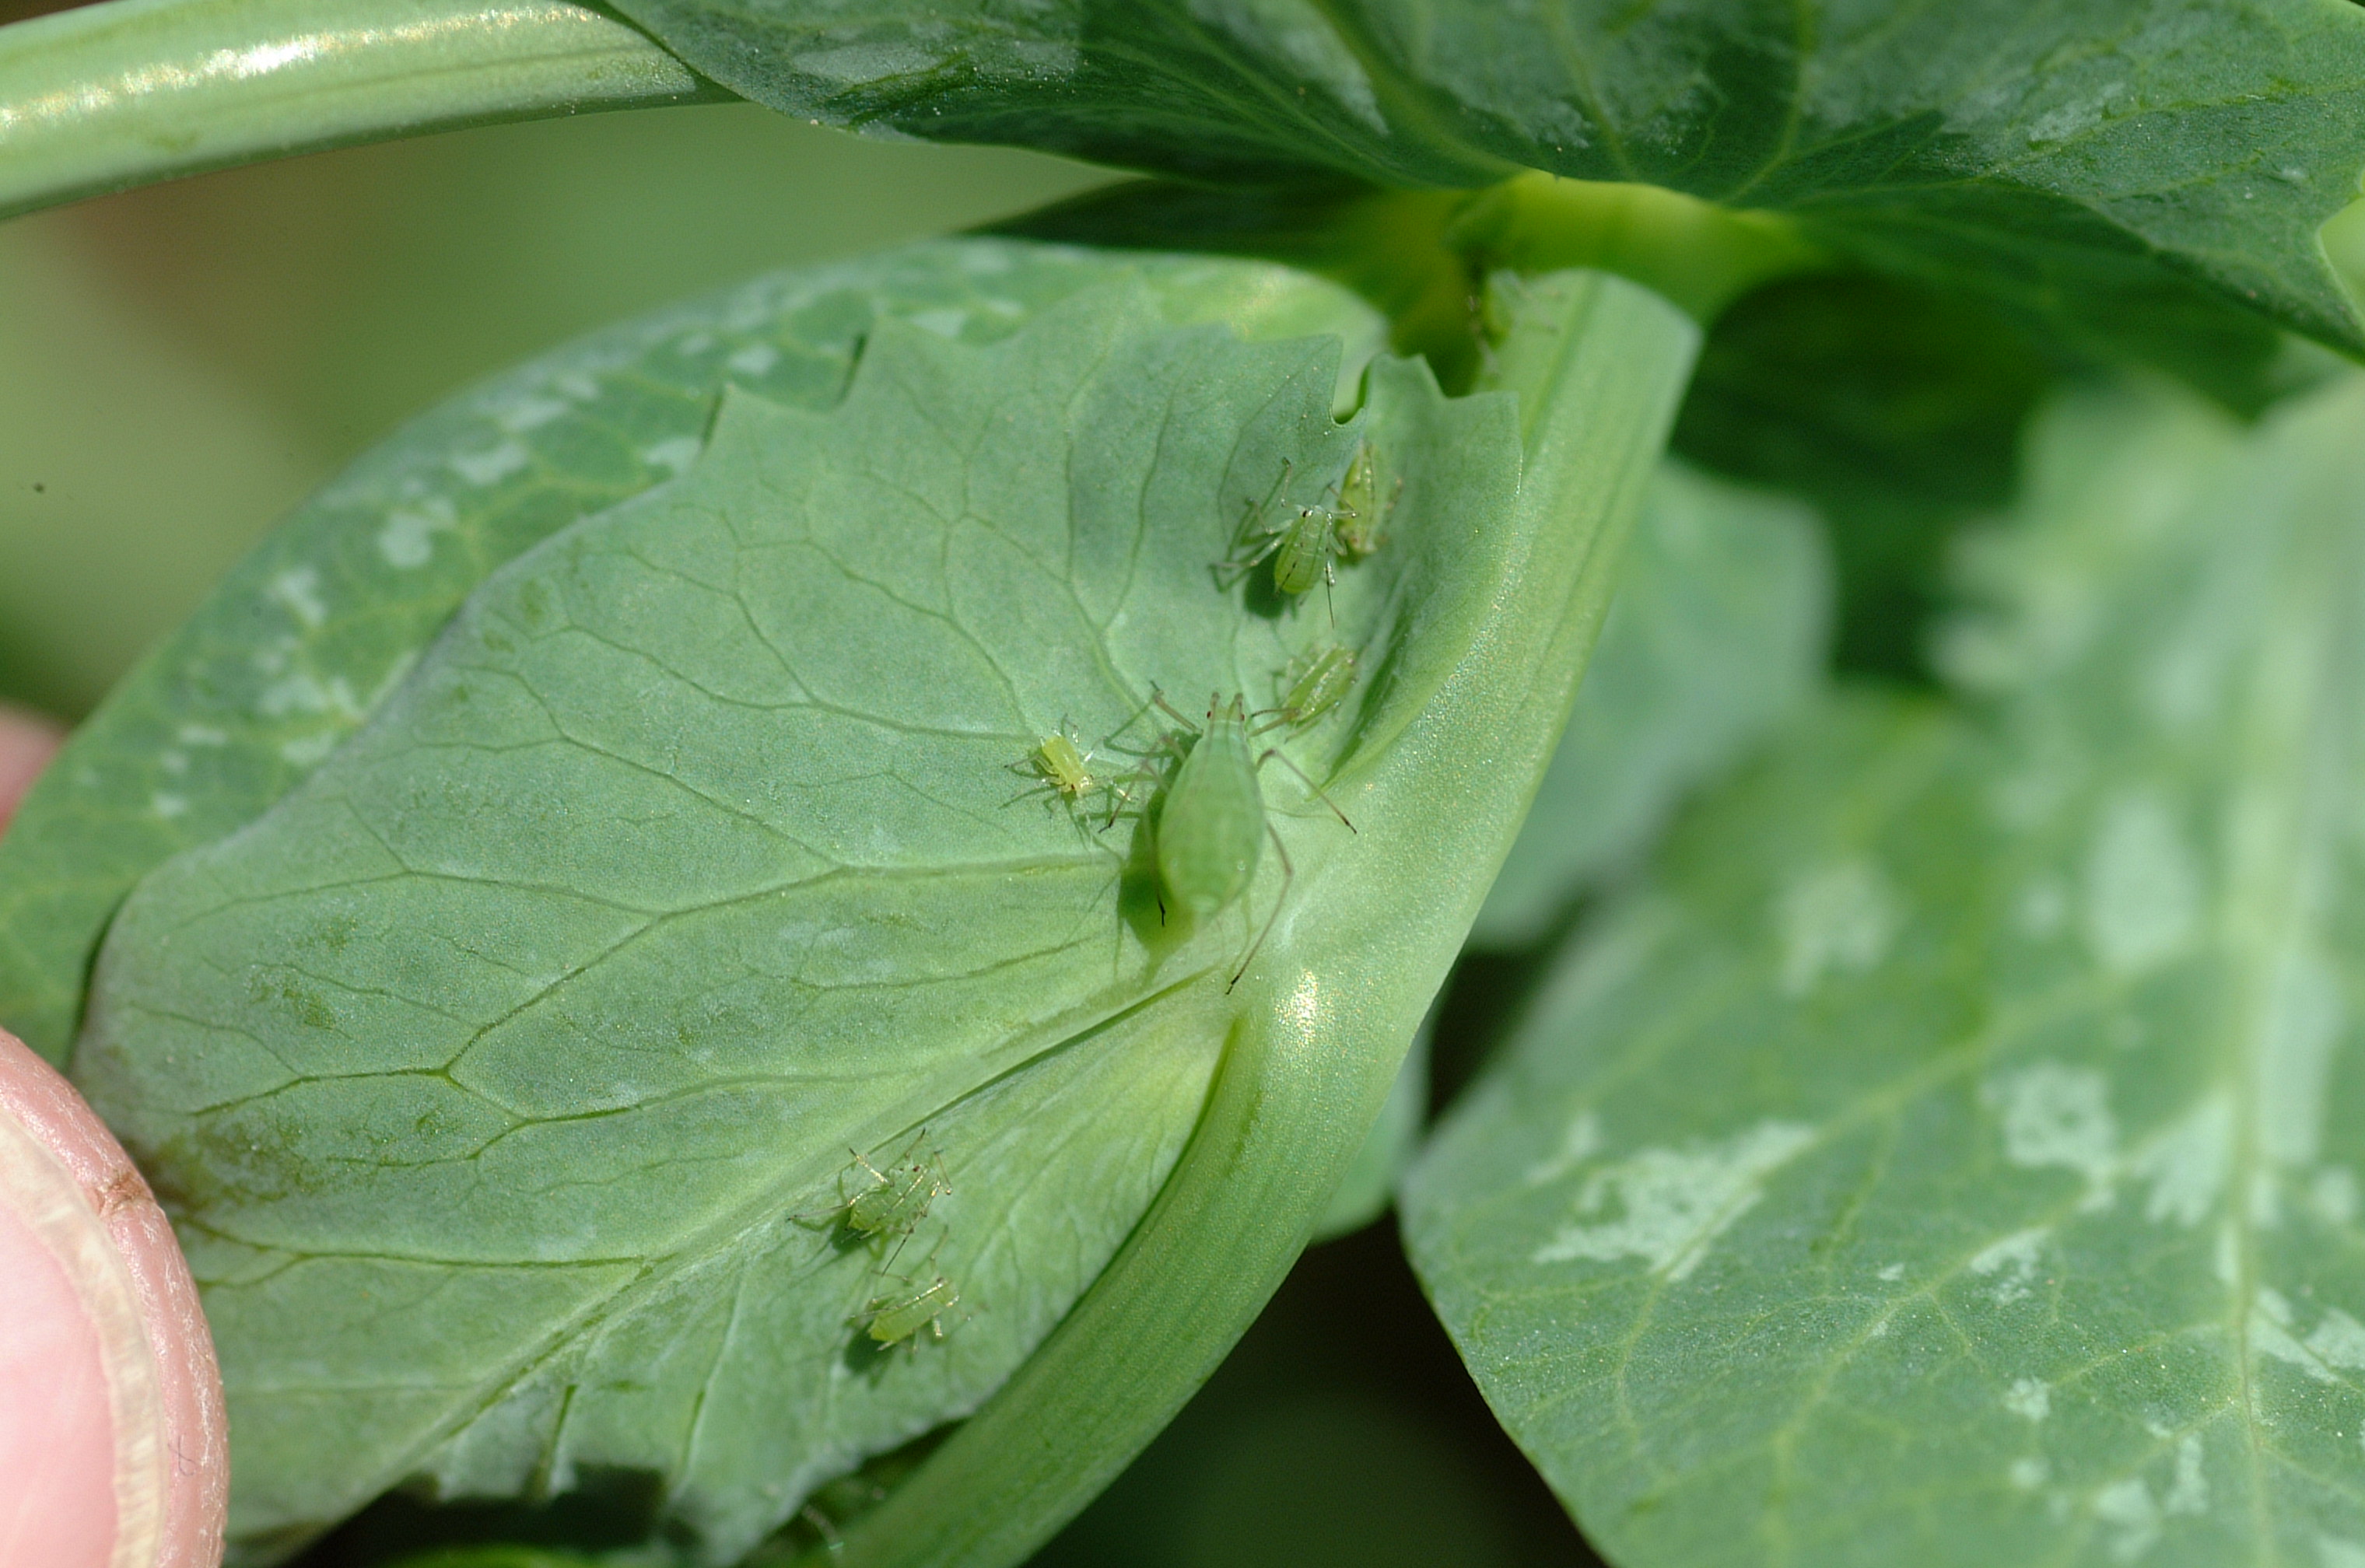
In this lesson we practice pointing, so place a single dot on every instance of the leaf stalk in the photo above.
(1312, 1049)
(129, 92)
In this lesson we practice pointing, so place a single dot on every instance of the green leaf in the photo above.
(1716, 637)
(1370, 1183)
(1953, 1155)
(2114, 169)
(312, 631)
(505, 1074)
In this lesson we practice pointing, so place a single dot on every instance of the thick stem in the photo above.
(1700, 255)
(1598, 363)
(121, 93)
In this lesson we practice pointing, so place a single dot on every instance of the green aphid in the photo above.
(1211, 825)
(898, 1318)
(1359, 515)
(895, 1200)
(1064, 770)
(1314, 682)
(1301, 545)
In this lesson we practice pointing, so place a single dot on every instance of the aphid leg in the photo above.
(1252, 516)
(832, 1542)
(1276, 753)
(1288, 875)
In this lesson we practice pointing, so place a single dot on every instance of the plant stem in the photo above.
(121, 93)
(1598, 365)
(1700, 255)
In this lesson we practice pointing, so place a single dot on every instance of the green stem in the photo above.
(1700, 255)
(1598, 365)
(121, 93)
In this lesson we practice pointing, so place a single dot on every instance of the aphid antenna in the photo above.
(1288, 876)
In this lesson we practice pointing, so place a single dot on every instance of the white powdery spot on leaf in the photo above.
(2143, 887)
(304, 751)
(297, 591)
(754, 359)
(492, 465)
(302, 692)
(1580, 1143)
(1671, 1203)
(2336, 1343)
(2339, 1341)
(2014, 1258)
(529, 412)
(2187, 1164)
(2331, 1552)
(2127, 1507)
(675, 456)
(2028, 1474)
(945, 322)
(407, 539)
(1838, 920)
(2189, 1492)
(2056, 1114)
(2029, 1399)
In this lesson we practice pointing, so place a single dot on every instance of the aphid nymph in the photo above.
(1359, 515)
(1062, 769)
(1314, 683)
(890, 1203)
(898, 1317)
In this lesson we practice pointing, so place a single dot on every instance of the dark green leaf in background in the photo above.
(1952, 1154)
(2111, 170)
(1717, 635)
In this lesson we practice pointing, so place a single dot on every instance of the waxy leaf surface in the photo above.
(2104, 166)
(508, 1075)
(1952, 1154)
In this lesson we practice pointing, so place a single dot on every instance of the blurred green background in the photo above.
(179, 364)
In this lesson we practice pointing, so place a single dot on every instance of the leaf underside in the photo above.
(1952, 1154)
(2117, 171)
(310, 634)
(504, 1075)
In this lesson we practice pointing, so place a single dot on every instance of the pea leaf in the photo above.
(2114, 169)
(313, 631)
(1716, 637)
(1370, 1183)
(511, 1074)
(1952, 1156)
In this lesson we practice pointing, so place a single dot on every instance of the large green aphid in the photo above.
(1211, 824)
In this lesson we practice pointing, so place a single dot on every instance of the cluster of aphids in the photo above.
(884, 1210)
(1210, 827)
